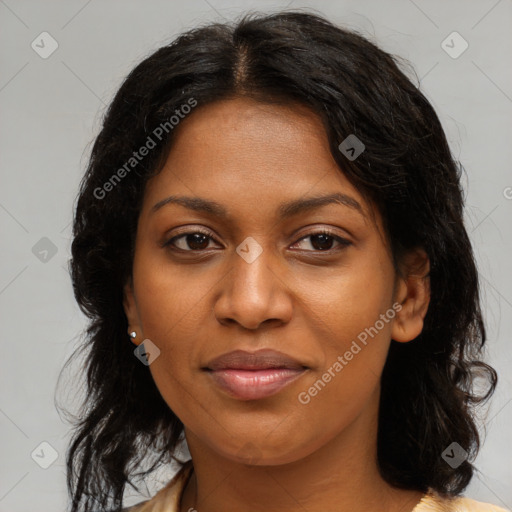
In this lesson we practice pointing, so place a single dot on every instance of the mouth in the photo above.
(254, 375)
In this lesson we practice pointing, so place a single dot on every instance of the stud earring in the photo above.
(133, 335)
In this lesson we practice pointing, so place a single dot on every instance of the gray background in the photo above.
(51, 110)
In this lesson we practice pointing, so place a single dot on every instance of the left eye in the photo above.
(322, 241)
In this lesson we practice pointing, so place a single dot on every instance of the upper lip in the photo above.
(260, 360)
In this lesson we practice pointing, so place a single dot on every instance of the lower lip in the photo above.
(254, 384)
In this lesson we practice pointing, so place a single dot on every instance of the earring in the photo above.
(133, 334)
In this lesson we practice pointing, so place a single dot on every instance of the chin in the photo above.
(264, 453)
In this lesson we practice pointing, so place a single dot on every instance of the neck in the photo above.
(342, 475)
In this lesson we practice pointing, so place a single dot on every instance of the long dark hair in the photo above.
(408, 172)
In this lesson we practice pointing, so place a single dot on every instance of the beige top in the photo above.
(168, 499)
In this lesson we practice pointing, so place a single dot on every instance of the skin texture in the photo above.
(297, 297)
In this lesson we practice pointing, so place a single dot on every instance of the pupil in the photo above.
(325, 242)
(197, 241)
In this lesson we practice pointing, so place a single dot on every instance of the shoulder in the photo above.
(432, 502)
(169, 497)
(469, 505)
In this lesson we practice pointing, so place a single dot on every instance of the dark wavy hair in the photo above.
(428, 386)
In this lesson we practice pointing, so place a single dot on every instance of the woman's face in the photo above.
(256, 274)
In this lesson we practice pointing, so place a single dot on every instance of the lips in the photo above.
(254, 375)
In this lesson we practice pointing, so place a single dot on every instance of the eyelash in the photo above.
(342, 241)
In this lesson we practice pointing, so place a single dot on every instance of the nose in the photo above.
(254, 293)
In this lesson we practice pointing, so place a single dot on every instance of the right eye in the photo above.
(195, 241)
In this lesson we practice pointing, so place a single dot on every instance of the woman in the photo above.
(272, 216)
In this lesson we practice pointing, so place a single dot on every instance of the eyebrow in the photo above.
(285, 210)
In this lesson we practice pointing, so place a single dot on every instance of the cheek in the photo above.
(335, 395)
(350, 302)
(167, 299)
(354, 347)
(354, 317)
(169, 316)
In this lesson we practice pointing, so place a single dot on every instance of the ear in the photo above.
(131, 312)
(413, 293)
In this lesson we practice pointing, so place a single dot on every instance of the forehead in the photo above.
(244, 153)
(250, 133)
